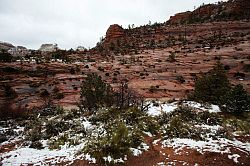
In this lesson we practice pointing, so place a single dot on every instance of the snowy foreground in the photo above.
(67, 154)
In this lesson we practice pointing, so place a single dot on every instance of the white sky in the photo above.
(71, 23)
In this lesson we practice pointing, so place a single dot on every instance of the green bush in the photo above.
(95, 93)
(180, 79)
(237, 125)
(36, 145)
(171, 57)
(54, 127)
(237, 100)
(208, 118)
(59, 96)
(34, 134)
(185, 122)
(57, 142)
(116, 143)
(212, 87)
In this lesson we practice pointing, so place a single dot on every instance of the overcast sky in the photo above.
(71, 23)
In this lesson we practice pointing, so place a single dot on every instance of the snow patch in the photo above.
(162, 108)
(221, 145)
(234, 157)
(210, 108)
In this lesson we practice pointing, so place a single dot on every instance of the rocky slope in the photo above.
(230, 10)
(141, 55)
(205, 22)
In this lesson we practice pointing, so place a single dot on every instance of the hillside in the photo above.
(172, 93)
(204, 24)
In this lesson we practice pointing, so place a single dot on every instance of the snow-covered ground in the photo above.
(169, 107)
(23, 155)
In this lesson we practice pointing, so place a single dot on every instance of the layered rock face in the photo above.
(114, 31)
(231, 10)
(177, 19)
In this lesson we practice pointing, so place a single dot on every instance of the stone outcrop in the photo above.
(179, 17)
(114, 31)
(19, 51)
(48, 47)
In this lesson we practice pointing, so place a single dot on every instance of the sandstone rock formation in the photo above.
(177, 18)
(48, 47)
(19, 51)
(114, 31)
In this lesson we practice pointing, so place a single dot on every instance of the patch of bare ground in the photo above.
(169, 156)
(9, 147)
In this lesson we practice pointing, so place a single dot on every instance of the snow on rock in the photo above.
(110, 159)
(159, 108)
(163, 107)
(138, 151)
(89, 158)
(161, 164)
(211, 108)
(86, 124)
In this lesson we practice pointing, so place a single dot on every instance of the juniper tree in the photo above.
(212, 87)
(95, 93)
(237, 100)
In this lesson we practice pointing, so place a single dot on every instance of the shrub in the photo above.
(36, 145)
(56, 126)
(95, 93)
(5, 56)
(44, 93)
(246, 67)
(208, 118)
(9, 91)
(125, 98)
(212, 86)
(171, 57)
(11, 110)
(237, 125)
(152, 89)
(177, 128)
(35, 133)
(56, 143)
(9, 69)
(237, 100)
(180, 79)
(59, 96)
(116, 143)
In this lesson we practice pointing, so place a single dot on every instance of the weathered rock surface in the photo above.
(114, 31)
